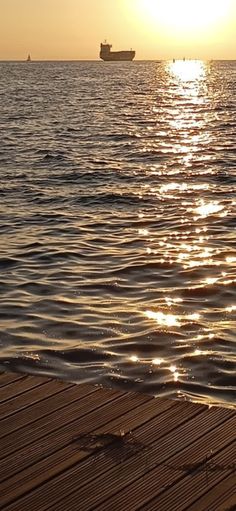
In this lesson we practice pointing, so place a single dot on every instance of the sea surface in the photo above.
(118, 225)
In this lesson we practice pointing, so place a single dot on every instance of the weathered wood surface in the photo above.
(79, 447)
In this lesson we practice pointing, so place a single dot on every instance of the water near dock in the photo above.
(117, 219)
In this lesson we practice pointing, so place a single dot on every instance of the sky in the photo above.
(156, 29)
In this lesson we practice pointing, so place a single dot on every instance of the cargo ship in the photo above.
(108, 55)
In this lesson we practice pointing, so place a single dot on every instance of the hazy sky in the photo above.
(156, 29)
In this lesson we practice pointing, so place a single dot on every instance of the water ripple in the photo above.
(118, 251)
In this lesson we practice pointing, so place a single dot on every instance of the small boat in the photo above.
(28, 58)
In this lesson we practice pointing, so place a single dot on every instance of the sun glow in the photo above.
(185, 15)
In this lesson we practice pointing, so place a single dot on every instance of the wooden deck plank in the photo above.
(8, 378)
(55, 421)
(92, 412)
(219, 498)
(28, 399)
(56, 397)
(21, 386)
(89, 469)
(120, 484)
(228, 505)
(148, 485)
(70, 456)
(46, 465)
(194, 485)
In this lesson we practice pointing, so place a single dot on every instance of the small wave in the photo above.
(7, 263)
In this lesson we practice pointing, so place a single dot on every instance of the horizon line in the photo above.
(136, 60)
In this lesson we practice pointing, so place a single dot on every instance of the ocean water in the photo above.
(117, 224)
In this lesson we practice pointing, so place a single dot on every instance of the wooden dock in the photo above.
(67, 447)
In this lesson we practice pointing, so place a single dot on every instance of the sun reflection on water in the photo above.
(189, 249)
(206, 209)
(134, 358)
(167, 320)
(210, 281)
(157, 361)
(188, 71)
(232, 308)
(230, 259)
(171, 320)
(184, 188)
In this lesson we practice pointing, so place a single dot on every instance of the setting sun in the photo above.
(185, 15)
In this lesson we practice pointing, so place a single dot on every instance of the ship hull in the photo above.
(118, 56)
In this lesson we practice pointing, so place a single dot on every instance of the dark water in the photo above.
(118, 216)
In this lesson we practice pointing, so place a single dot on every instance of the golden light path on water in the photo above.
(191, 247)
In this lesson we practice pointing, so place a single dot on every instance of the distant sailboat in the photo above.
(28, 58)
